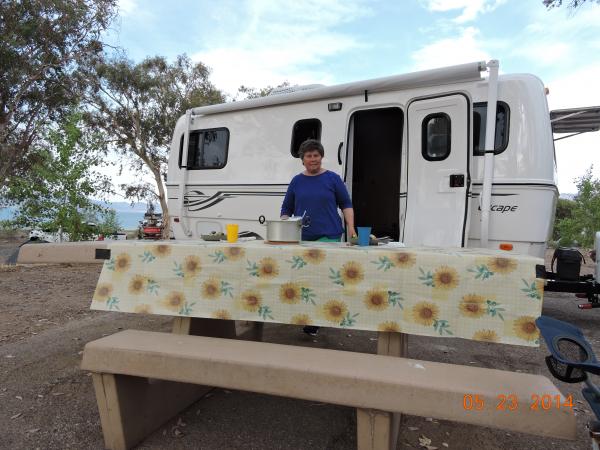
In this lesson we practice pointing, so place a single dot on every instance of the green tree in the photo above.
(55, 193)
(108, 222)
(249, 92)
(584, 222)
(564, 210)
(45, 46)
(137, 106)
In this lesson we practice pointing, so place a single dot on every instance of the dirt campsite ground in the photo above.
(47, 402)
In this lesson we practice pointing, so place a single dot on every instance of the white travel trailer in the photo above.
(411, 149)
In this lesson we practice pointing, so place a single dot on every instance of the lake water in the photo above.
(129, 220)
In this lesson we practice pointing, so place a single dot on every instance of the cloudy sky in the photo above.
(265, 42)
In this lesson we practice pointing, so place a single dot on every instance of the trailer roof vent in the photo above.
(296, 88)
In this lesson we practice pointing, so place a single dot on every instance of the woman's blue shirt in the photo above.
(320, 196)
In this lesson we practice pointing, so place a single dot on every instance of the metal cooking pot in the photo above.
(285, 230)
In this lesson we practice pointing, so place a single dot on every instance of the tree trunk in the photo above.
(162, 198)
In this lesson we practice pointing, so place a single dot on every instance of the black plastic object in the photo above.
(102, 253)
(568, 263)
(457, 180)
(572, 355)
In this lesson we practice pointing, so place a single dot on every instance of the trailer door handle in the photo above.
(340, 153)
(457, 180)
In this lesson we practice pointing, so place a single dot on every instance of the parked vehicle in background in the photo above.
(151, 226)
(52, 236)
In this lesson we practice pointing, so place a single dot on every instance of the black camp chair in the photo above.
(571, 360)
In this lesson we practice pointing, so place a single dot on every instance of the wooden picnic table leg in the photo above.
(379, 430)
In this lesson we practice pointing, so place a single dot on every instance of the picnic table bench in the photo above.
(456, 293)
(122, 363)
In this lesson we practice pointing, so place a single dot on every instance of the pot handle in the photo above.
(261, 219)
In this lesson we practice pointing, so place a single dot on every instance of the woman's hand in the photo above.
(352, 232)
(349, 219)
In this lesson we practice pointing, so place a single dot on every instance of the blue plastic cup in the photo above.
(364, 236)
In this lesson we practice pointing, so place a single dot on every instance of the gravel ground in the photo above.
(47, 402)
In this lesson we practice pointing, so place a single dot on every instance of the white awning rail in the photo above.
(488, 160)
(433, 77)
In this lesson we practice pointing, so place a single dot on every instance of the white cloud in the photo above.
(127, 7)
(545, 53)
(559, 38)
(450, 51)
(278, 41)
(470, 8)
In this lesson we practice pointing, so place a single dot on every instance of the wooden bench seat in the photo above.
(422, 388)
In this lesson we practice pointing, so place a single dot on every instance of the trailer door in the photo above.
(438, 171)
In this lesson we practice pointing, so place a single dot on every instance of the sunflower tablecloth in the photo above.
(470, 293)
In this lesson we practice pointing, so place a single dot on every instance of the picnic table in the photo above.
(469, 293)
(466, 293)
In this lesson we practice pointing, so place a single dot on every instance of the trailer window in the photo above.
(435, 132)
(302, 130)
(207, 149)
(479, 125)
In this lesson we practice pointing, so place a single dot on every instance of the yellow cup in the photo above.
(232, 232)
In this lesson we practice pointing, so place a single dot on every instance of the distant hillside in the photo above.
(128, 215)
(568, 196)
(127, 207)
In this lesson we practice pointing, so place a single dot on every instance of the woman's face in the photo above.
(312, 161)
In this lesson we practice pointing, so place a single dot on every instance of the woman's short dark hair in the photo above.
(310, 145)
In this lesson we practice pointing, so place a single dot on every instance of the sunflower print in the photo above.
(376, 300)
(524, 327)
(174, 301)
(486, 336)
(211, 289)
(314, 255)
(234, 253)
(268, 268)
(352, 273)
(103, 292)
(472, 306)
(191, 266)
(162, 250)
(122, 262)
(389, 326)
(251, 301)
(301, 319)
(403, 260)
(143, 309)
(502, 265)
(137, 285)
(425, 313)
(222, 314)
(335, 310)
(445, 278)
(290, 293)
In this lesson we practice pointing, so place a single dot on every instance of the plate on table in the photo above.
(214, 236)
